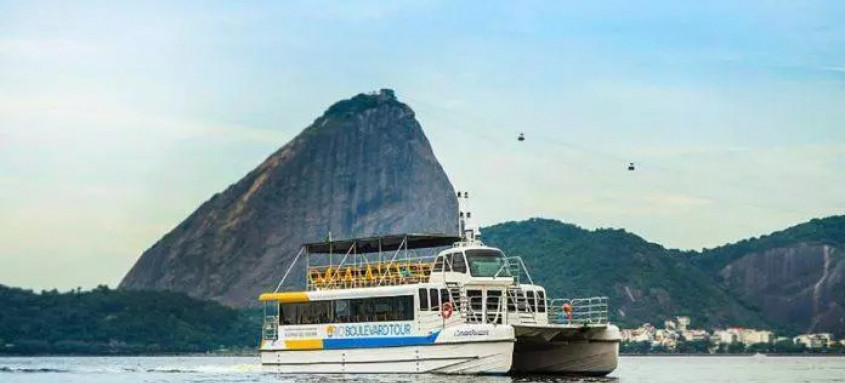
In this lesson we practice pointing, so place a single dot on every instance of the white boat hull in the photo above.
(446, 358)
(593, 351)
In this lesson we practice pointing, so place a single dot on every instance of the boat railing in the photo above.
(578, 311)
(516, 268)
(473, 311)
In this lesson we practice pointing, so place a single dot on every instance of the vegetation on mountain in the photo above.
(787, 281)
(646, 283)
(106, 321)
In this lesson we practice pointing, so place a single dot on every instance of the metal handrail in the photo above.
(517, 267)
(290, 267)
(471, 315)
(592, 310)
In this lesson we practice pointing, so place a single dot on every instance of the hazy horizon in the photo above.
(117, 120)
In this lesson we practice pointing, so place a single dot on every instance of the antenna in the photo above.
(467, 232)
(461, 221)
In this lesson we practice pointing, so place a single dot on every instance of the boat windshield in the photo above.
(486, 263)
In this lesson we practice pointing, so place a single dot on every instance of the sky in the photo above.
(118, 119)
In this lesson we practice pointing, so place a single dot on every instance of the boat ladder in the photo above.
(517, 302)
(271, 327)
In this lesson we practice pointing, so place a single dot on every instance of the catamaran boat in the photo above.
(380, 305)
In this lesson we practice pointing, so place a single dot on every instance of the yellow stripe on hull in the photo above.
(304, 344)
(297, 297)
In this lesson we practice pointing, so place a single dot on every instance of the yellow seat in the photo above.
(382, 272)
(348, 279)
(315, 277)
(357, 276)
(369, 278)
(328, 277)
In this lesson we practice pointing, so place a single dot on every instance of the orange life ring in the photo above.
(567, 308)
(446, 310)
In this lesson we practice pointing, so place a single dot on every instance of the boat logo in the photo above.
(358, 330)
(472, 332)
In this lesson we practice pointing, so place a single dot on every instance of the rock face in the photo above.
(795, 278)
(363, 168)
(800, 286)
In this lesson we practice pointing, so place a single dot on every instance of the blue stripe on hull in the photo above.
(378, 342)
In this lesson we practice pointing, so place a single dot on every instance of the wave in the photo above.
(171, 370)
(31, 370)
(160, 369)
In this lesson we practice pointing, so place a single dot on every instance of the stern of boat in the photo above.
(579, 341)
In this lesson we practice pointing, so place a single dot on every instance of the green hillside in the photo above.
(105, 321)
(645, 282)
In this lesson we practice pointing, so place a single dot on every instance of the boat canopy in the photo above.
(378, 244)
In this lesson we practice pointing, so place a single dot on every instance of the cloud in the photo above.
(838, 69)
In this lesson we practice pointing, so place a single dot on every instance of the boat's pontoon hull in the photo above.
(554, 349)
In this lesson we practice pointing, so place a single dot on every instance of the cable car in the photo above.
(631, 166)
(521, 137)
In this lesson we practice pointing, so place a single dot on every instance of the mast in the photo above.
(467, 231)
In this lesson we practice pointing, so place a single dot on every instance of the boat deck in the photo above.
(540, 333)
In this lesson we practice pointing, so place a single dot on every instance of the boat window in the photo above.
(434, 299)
(512, 298)
(532, 304)
(438, 264)
(423, 300)
(494, 299)
(474, 298)
(444, 296)
(378, 309)
(487, 263)
(459, 265)
(287, 314)
(541, 301)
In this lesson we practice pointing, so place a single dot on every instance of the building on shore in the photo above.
(678, 330)
(819, 340)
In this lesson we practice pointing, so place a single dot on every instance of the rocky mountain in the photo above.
(794, 277)
(363, 168)
(792, 280)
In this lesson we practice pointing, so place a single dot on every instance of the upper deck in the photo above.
(406, 259)
(372, 262)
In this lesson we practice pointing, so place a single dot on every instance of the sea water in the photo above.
(705, 369)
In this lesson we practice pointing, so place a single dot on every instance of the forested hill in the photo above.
(791, 280)
(645, 281)
(105, 321)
